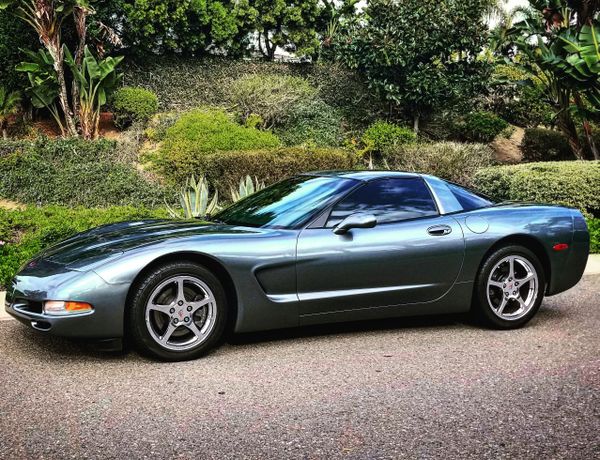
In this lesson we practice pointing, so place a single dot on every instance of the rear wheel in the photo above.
(510, 287)
(178, 312)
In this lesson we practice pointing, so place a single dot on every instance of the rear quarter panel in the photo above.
(547, 225)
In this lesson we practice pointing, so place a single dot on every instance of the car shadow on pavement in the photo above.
(354, 327)
(44, 347)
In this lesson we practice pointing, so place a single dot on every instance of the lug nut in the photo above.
(180, 303)
(504, 285)
(516, 283)
(189, 308)
(514, 292)
(186, 319)
(172, 310)
(175, 321)
(509, 279)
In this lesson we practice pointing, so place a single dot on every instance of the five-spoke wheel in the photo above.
(510, 287)
(178, 311)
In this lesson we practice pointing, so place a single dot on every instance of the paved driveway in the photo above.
(425, 388)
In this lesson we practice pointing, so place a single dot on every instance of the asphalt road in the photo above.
(435, 387)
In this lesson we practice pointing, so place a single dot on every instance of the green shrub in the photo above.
(224, 170)
(131, 105)
(481, 127)
(158, 125)
(541, 144)
(26, 232)
(272, 97)
(200, 132)
(594, 229)
(382, 136)
(315, 123)
(454, 161)
(569, 183)
(72, 172)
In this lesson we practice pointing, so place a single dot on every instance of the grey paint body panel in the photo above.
(286, 278)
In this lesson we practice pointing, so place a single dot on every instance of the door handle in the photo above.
(439, 230)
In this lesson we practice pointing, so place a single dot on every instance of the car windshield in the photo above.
(287, 204)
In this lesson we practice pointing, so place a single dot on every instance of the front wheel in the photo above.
(510, 287)
(178, 312)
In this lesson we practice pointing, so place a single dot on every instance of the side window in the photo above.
(390, 200)
(467, 199)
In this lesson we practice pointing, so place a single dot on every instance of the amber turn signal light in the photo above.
(59, 307)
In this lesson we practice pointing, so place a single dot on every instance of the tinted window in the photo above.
(287, 204)
(469, 200)
(389, 200)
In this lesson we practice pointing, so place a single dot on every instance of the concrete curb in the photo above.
(592, 268)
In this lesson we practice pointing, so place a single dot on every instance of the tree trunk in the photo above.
(63, 98)
(567, 126)
(416, 119)
(587, 129)
(79, 17)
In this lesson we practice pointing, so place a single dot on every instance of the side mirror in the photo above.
(358, 220)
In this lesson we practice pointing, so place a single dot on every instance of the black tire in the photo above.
(482, 308)
(140, 335)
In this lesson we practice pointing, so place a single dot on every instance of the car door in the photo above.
(412, 255)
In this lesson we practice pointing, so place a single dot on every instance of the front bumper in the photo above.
(28, 292)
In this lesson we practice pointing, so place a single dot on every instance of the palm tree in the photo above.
(9, 103)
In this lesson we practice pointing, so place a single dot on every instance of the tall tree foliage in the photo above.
(559, 40)
(419, 54)
(178, 26)
(288, 25)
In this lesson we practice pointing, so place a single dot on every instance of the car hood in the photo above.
(111, 240)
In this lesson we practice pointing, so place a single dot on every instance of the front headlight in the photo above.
(62, 308)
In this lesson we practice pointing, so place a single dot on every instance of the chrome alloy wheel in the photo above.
(512, 287)
(180, 313)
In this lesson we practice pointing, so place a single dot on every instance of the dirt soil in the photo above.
(509, 150)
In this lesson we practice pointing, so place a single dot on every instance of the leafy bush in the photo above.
(72, 172)
(26, 232)
(382, 136)
(594, 229)
(314, 122)
(569, 183)
(541, 144)
(224, 170)
(481, 127)
(449, 160)
(272, 97)
(131, 105)
(519, 98)
(185, 83)
(15, 36)
(200, 132)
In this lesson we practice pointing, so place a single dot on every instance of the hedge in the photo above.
(453, 161)
(569, 183)
(594, 228)
(73, 172)
(24, 233)
(225, 169)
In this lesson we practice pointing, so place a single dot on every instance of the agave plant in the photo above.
(246, 187)
(194, 199)
(8, 106)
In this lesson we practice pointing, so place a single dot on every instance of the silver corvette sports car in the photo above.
(318, 247)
